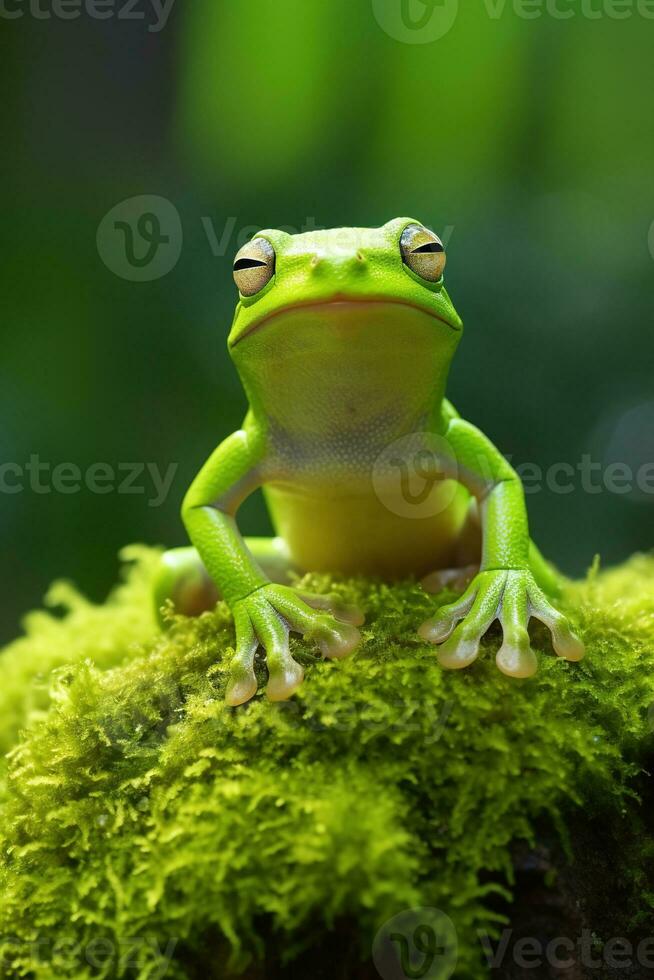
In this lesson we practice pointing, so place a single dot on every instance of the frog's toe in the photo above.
(272, 631)
(515, 658)
(457, 579)
(477, 608)
(336, 640)
(240, 688)
(462, 647)
(333, 603)
(513, 597)
(436, 630)
(568, 646)
(242, 683)
(566, 643)
(285, 676)
(266, 618)
(441, 626)
(461, 650)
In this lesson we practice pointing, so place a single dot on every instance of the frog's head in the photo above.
(358, 303)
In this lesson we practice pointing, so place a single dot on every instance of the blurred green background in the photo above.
(527, 143)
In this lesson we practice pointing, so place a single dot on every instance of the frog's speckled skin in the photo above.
(343, 351)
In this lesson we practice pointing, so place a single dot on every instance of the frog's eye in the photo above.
(423, 252)
(254, 266)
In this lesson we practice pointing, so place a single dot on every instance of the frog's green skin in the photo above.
(343, 353)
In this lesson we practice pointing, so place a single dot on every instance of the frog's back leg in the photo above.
(183, 578)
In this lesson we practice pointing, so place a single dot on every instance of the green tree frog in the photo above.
(343, 340)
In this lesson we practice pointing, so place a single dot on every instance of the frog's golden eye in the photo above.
(254, 266)
(423, 252)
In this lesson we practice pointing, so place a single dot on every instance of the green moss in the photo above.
(106, 634)
(140, 812)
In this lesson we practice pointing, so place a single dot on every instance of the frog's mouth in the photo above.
(346, 302)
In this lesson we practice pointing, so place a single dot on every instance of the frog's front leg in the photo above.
(505, 588)
(264, 613)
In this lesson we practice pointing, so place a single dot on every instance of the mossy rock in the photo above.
(148, 830)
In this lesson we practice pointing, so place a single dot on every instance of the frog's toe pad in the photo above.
(349, 614)
(333, 604)
(457, 579)
(435, 630)
(338, 640)
(284, 680)
(565, 641)
(568, 646)
(458, 652)
(515, 658)
(241, 688)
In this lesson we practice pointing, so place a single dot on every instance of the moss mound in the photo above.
(147, 830)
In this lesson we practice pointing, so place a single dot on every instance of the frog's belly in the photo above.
(389, 535)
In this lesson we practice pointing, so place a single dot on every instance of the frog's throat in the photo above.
(346, 372)
(339, 299)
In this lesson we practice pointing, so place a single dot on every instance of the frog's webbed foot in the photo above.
(513, 597)
(457, 579)
(266, 618)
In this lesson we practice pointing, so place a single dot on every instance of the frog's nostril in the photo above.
(318, 267)
(338, 265)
